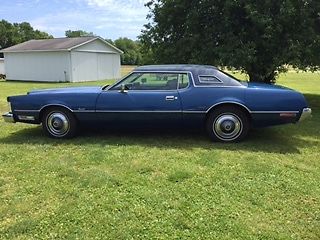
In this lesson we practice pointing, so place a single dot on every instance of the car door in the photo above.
(143, 98)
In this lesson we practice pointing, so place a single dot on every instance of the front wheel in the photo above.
(59, 123)
(227, 124)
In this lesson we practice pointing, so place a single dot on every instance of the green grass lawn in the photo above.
(161, 185)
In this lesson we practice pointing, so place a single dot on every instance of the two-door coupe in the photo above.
(164, 95)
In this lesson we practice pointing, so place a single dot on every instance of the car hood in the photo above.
(67, 90)
(266, 86)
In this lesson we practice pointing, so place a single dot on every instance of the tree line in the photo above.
(259, 38)
(15, 33)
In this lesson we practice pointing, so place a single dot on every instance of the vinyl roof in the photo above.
(196, 70)
(175, 67)
(56, 44)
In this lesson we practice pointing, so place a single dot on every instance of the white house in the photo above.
(2, 66)
(62, 60)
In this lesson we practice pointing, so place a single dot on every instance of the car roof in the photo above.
(175, 67)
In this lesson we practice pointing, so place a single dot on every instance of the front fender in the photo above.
(32, 105)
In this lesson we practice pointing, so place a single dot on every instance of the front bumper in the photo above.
(306, 113)
(8, 117)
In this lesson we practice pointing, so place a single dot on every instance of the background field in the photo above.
(161, 185)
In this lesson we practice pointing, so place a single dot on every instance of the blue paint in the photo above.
(190, 106)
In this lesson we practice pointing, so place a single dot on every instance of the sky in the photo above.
(106, 18)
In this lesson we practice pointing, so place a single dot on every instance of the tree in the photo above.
(109, 41)
(12, 34)
(131, 49)
(7, 33)
(78, 33)
(258, 37)
(25, 32)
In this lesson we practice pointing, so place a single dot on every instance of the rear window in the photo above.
(210, 80)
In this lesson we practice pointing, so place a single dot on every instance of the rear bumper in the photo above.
(306, 113)
(8, 117)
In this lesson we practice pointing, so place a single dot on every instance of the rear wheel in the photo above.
(227, 124)
(59, 123)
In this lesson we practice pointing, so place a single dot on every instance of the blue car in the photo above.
(193, 96)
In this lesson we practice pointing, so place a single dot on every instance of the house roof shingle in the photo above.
(56, 44)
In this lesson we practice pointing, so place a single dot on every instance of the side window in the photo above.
(209, 80)
(150, 81)
(183, 80)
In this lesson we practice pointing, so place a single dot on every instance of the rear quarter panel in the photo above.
(274, 100)
(196, 101)
(202, 98)
(266, 106)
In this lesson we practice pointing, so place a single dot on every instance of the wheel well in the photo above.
(238, 106)
(43, 110)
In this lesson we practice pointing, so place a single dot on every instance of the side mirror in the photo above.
(123, 88)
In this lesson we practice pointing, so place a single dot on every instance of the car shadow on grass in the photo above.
(271, 140)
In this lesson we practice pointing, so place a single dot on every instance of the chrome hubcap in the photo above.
(58, 124)
(227, 127)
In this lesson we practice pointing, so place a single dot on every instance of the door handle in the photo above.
(171, 98)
